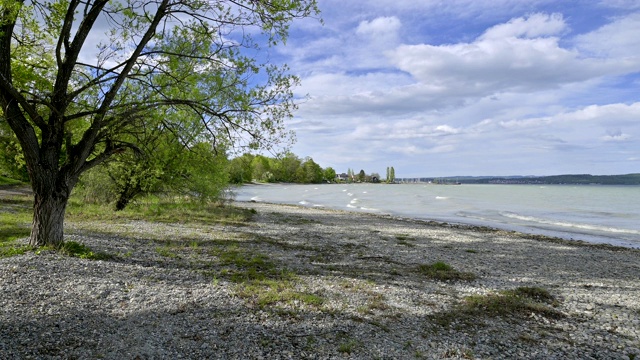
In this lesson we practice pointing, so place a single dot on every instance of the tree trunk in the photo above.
(49, 207)
(122, 202)
(127, 194)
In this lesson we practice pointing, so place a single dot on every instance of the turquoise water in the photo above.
(593, 213)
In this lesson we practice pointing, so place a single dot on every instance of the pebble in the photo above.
(144, 305)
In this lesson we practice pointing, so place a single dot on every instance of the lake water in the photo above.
(593, 213)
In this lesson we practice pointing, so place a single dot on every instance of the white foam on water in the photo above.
(569, 224)
(589, 213)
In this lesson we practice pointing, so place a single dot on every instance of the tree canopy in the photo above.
(287, 167)
(80, 81)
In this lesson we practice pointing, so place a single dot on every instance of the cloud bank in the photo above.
(470, 88)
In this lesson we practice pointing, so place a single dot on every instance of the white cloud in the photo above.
(413, 129)
(382, 26)
(618, 39)
(419, 150)
(340, 84)
(615, 113)
(522, 91)
(603, 115)
(489, 66)
(521, 55)
(530, 27)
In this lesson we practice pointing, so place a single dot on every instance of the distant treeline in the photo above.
(582, 179)
(287, 168)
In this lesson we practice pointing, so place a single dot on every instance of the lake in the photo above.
(593, 213)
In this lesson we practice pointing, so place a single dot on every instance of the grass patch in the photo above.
(518, 303)
(167, 251)
(444, 272)
(295, 220)
(75, 249)
(405, 239)
(14, 226)
(264, 293)
(15, 223)
(260, 281)
(160, 209)
(9, 250)
(245, 265)
(375, 301)
(5, 181)
(522, 300)
(348, 346)
(459, 353)
(355, 285)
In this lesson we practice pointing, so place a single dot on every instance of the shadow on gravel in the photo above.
(323, 288)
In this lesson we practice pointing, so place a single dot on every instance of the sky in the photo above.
(468, 87)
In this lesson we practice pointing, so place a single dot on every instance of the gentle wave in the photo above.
(590, 213)
(308, 203)
(569, 224)
(363, 208)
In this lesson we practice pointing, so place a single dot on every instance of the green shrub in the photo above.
(9, 181)
(348, 346)
(522, 300)
(75, 249)
(517, 304)
(444, 272)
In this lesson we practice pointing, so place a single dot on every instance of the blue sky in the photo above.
(469, 87)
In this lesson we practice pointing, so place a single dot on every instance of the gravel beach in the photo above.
(310, 283)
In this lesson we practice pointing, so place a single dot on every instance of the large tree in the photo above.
(77, 79)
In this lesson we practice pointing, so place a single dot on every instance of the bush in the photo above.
(72, 248)
(444, 272)
(522, 300)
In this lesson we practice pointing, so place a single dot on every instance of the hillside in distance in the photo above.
(579, 179)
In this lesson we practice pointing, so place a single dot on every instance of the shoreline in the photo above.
(538, 234)
(463, 207)
(347, 285)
